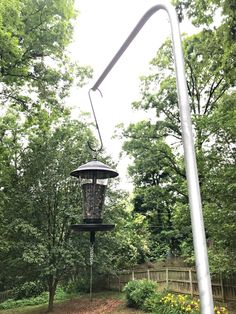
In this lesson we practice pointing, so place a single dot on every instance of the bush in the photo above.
(28, 289)
(142, 294)
(153, 302)
(60, 294)
(9, 304)
(78, 285)
(137, 291)
(176, 304)
(41, 299)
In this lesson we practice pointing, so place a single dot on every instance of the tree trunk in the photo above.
(52, 285)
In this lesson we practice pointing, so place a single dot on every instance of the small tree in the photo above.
(41, 200)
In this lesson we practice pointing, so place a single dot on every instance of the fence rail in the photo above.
(5, 295)
(179, 280)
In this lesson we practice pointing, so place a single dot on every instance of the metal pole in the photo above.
(199, 238)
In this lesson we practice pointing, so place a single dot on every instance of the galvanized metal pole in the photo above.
(199, 238)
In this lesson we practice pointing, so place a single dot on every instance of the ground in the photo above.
(96, 306)
(100, 304)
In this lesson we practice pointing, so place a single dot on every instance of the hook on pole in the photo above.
(96, 124)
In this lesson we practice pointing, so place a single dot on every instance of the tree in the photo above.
(203, 13)
(34, 63)
(158, 180)
(219, 187)
(40, 145)
(210, 80)
(128, 244)
(40, 200)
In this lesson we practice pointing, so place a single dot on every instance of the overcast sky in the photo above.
(101, 28)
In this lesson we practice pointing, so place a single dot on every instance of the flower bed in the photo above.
(141, 294)
(185, 304)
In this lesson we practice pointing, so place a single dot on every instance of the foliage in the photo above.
(130, 236)
(156, 184)
(36, 226)
(29, 289)
(36, 300)
(142, 294)
(178, 304)
(39, 146)
(152, 303)
(155, 146)
(9, 304)
(34, 64)
(137, 291)
(37, 241)
(204, 12)
(80, 284)
(36, 75)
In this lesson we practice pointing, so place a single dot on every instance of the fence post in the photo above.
(108, 281)
(133, 275)
(148, 274)
(191, 282)
(222, 287)
(167, 278)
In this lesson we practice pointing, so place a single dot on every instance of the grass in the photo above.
(36, 309)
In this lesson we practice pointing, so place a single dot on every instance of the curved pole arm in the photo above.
(199, 238)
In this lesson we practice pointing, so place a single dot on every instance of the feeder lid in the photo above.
(95, 169)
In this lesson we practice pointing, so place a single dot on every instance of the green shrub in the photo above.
(9, 304)
(153, 302)
(176, 304)
(40, 299)
(60, 294)
(137, 291)
(78, 285)
(28, 289)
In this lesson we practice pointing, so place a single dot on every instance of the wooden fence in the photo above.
(178, 280)
(5, 295)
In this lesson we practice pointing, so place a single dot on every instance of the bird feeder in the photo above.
(93, 177)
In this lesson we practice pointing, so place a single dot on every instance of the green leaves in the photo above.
(40, 201)
(155, 146)
(34, 65)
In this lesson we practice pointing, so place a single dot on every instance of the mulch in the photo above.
(83, 306)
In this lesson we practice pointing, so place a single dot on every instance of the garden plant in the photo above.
(143, 294)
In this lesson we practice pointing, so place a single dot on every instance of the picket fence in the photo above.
(178, 280)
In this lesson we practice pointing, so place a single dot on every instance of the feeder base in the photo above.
(92, 227)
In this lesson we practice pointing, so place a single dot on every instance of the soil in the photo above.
(85, 306)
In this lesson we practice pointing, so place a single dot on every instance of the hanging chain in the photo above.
(91, 254)
(91, 257)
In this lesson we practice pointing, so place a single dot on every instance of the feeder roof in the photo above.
(95, 169)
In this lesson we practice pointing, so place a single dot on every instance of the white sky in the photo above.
(101, 28)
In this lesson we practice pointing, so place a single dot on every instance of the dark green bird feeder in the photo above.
(93, 177)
